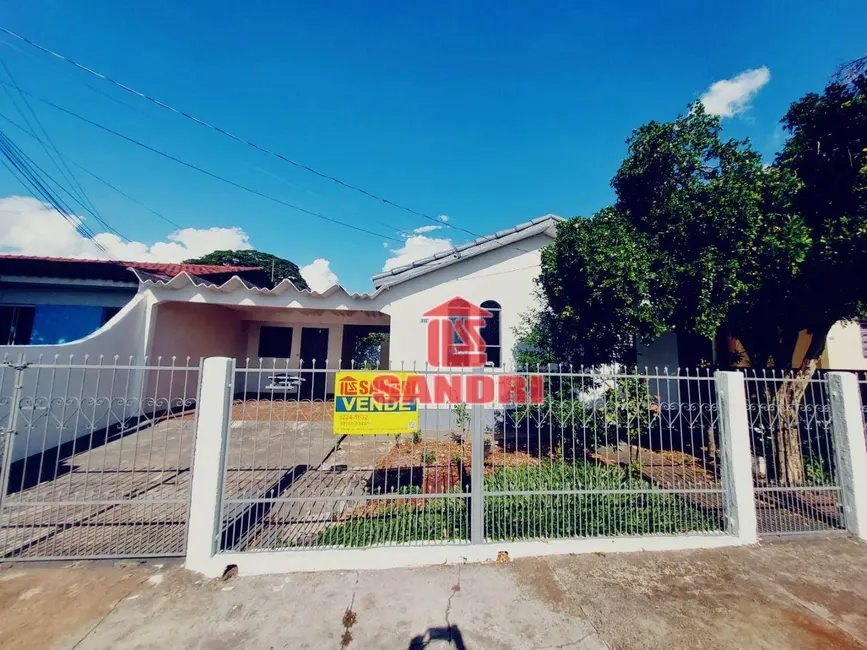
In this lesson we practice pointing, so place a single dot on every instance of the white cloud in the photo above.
(423, 229)
(30, 227)
(385, 244)
(318, 274)
(443, 217)
(729, 97)
(415, 248)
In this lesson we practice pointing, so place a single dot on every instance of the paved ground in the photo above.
(804, 594)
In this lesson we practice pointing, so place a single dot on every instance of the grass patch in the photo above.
(532, 516)
(583, 515)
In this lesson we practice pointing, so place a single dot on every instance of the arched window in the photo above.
(491, 333)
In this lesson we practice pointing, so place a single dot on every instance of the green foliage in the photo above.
(429, 456)
(282, 269)
(399, 522)
(703, 237)
(462, 418)
(416, 437)
(626, 410)
(534, 342)
(827, 155)
(629, 406)
(368, 350)
(597, 285)
(533, 516)
(579, 515)
(816, 472)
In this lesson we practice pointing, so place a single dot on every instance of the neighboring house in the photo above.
(45, 300)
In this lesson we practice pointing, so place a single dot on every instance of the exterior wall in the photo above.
(843, 349)
(504, 274)
(297, 319)
(660, 355)
(194, 330)
(122, 337)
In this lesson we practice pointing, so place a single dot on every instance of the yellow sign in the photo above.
(365, 403)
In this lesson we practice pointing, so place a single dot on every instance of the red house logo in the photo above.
(454, 334)
(348, 386)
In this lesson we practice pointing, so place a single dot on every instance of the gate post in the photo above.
(847, 422)
(216, 387)
(737, 466)
(477, 475)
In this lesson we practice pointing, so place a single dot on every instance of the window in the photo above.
(16, 324)
(108, 313)
(64, 323)
(275, 342)
(491, 333)
(863, 324)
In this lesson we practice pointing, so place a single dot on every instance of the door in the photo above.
(314, 353)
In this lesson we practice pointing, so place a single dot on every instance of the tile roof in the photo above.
(499, 239)
(167, 268)
(105, 270)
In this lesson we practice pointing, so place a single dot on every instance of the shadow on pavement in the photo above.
(452, 634)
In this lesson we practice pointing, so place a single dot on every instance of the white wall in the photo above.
(843, 350)
(504, 274)
(44, 419)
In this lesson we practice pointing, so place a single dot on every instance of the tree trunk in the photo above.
(790, 461)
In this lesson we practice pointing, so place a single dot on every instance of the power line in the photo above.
(97, 177)
(204, 171)
(237, 138)
(80, 194)
(28, 175)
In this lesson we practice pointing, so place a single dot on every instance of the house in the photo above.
(47, 300)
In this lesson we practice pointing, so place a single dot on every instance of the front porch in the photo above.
(302, 347)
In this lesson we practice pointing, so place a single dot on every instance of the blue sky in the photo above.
(490, 113)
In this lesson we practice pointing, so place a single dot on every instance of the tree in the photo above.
(703, 238)
(276, 268)
(596, 281)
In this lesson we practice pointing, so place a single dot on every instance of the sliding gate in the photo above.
(96, 457)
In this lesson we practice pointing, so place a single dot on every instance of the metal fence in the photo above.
(603, 455)
(794, 459)
(97, 456)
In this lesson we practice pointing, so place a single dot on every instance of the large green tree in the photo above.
(276, 268)
(703, 237)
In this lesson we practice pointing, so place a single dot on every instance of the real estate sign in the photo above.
(360, 408)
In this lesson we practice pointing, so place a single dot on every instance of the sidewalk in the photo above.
(807, 593)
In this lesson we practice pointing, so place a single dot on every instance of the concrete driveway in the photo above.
(804, 594)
